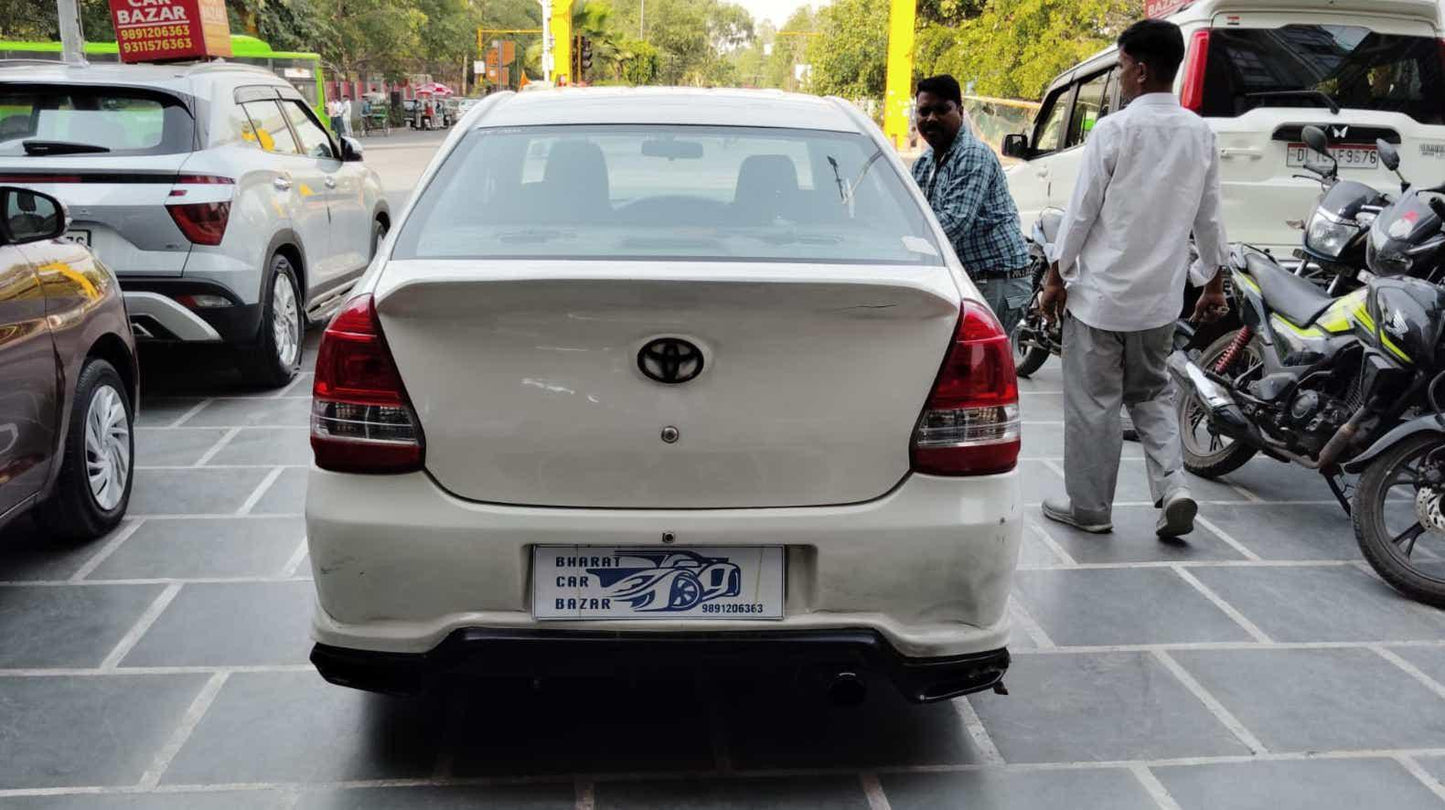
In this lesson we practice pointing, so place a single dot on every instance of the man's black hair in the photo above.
(944, 86)
(1158, 44)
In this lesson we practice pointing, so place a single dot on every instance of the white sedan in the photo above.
(654, 377)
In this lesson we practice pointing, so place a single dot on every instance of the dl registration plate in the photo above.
(1350, 157)
(694, 583)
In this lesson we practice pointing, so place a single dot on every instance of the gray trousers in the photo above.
(1103, 370)
(1007, 297)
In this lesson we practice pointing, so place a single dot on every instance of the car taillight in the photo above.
(1191, 97)
(970, 425)
(202, 223)
(361, 418)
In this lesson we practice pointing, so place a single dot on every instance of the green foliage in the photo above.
(850, 58)
(38, 20)
(1014, 48)
(287, 25)
(639, 62)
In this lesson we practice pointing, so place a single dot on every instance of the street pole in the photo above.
(547, 41)
(72, 40)
(642, 21)
(896, 98)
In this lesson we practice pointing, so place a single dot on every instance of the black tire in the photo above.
(1227, 459)
(1027, 360)
(1376, 539)
(378, 233)
(263, 363)
(73, 511)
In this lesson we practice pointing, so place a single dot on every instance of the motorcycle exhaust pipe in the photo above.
(1223, 410)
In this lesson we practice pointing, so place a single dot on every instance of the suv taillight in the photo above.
(361, 418)
(1191, 97)
(970, 425)
(202, 223)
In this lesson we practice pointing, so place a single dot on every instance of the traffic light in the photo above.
(586, 54)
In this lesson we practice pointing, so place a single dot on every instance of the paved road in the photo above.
(1257, 665)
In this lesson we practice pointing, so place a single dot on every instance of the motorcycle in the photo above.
(1342, 386)
(1333, 250)
(1033, 338)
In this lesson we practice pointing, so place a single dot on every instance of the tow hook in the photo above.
(1000, 689)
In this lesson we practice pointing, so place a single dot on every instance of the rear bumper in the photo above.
(810, 656)
(400, 565)
(157, 314)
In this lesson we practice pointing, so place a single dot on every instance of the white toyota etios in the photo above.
(665, 377)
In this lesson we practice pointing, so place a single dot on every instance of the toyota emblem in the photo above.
(670, 360)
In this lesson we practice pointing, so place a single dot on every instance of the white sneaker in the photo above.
(1176, 519)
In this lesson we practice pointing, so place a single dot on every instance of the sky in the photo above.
(776, 10)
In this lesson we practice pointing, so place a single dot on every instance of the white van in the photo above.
(1260, 71)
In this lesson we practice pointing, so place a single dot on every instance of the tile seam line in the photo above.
(1425, 778)
(226, 437)
(196, 712)
(671, 776)
(142, 625)
(1211, 703)
(1224, 606)
(104, 552)
(1155, 788)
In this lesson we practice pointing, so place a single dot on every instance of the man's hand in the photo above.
(1212, 304)
(1054, 296)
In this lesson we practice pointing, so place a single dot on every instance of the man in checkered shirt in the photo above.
(964, 183)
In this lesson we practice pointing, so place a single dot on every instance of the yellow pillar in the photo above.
(901, 19)
(562, 42)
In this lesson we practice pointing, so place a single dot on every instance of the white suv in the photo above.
(1360, 69)
(651, 376)
(225, 208)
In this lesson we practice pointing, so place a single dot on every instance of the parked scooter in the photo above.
(1338, 385)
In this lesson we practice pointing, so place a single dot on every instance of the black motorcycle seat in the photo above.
(1295, 298)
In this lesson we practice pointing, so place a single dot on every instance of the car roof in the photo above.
(672, 105)
(169, 77)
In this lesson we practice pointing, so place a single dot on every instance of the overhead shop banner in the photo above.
(1156, 9)
(170, 30)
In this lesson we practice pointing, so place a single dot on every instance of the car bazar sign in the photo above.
(170, 30)
(1156, 9)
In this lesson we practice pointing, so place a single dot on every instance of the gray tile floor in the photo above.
(1259, 664)
(1256, 664)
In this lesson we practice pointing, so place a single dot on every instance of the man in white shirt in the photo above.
(1150, 178)
(346, 116)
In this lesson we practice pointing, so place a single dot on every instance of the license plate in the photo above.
(78, 237)
(657, 583)
(1350, 157)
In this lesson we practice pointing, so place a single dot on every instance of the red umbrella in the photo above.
(434, 89)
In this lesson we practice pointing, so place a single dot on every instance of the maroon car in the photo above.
(68, 366)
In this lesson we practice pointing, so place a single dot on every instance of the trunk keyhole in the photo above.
(670, 434)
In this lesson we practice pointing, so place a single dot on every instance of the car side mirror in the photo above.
(1389, 155)
(29, 216)
(1016, 146)
(351, 149)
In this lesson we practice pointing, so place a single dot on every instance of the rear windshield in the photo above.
(657, 192)
(1300, 65)
(81, 121)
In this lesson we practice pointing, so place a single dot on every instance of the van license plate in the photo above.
(1350, 157)
(657, 583)
(78, 237)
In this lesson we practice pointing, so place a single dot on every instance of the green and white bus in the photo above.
(303, 70)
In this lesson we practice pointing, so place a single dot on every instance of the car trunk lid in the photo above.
(527, 381)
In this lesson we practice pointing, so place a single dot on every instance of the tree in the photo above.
(1014, 48)
(38, 20)
(287, 25)
(370, 36)
(850, 58)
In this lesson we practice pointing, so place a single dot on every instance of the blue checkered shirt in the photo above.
(969, 195)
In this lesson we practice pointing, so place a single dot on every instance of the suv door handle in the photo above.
(282, 183)
(1042, 173)
(330, 181)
